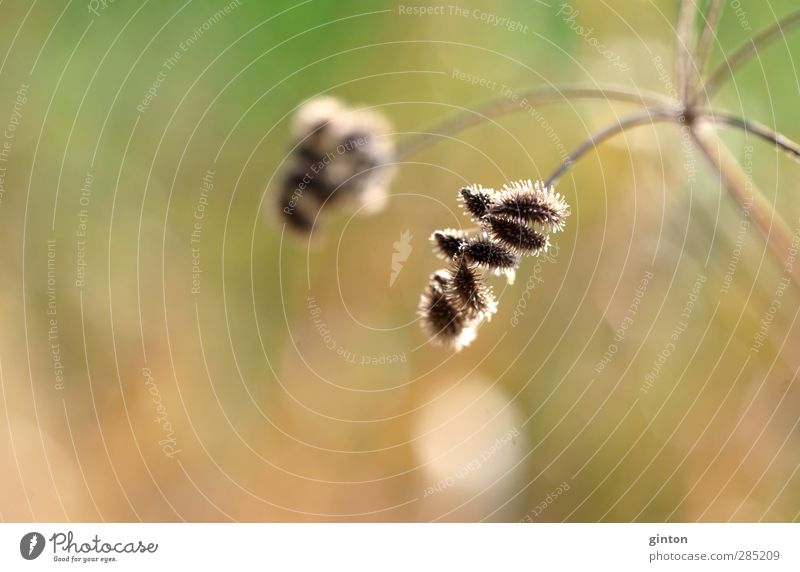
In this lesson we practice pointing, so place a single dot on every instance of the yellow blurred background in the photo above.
(645, 371)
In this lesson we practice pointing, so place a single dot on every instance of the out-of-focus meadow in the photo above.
(169, 352)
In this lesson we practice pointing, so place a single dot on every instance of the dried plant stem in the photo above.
(777, 234)
(647, 117)
(709, 34)
(684, 45)
(522, 100)
(743, 53)
(779, 140)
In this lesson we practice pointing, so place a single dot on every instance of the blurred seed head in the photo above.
(341, 156)
(532, 203)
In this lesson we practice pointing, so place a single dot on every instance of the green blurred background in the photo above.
(232, 402)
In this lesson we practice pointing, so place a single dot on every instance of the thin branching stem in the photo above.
(760, 130)
(743, 191)
(743, 53)
(685, 41)
(643, 118)
(709, 34)
(523, 101)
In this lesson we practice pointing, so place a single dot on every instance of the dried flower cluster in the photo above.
(340, 156)
(513, 222)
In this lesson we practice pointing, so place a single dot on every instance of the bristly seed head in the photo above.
(476, 201)
(516, 235)
(532, 203)
(468, 293)
(441, 321)
(513, 222)
(448, 243)
(487, 253)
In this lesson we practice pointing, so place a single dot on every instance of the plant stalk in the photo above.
(523, 100)
(744, 52)
(758, 129)
(685, 42)
(741, 188)
(708, 35)
(647, 117)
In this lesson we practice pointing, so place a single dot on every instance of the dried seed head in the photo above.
(448, 243)
(468, 293)
(476, 201)
(298, 215)
(315, 114)
(341, 155)
(487, 253)
(442, 322)
(533, 203)
(516, 235)
(458, 300)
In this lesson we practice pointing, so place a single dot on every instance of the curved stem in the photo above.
(741, 188)
(779, 140)
(743, 53)
(643, 118)
(521, 101)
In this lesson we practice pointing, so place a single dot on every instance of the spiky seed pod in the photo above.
(441, 322)
(458, 300)
(485, 252)
(516, 235)
(448, 243)
(532, 203)
(476, 201)
(468, 293)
